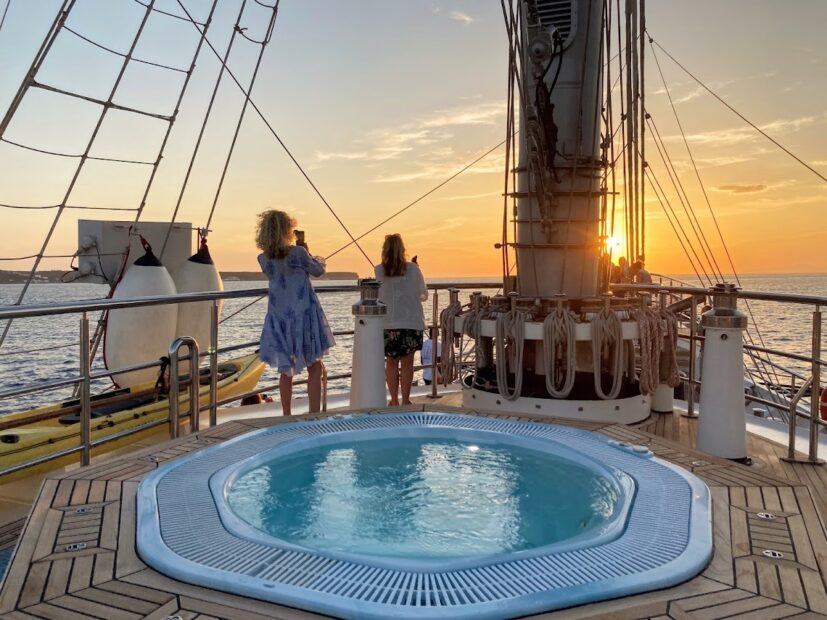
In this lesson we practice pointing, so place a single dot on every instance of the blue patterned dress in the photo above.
(296, 332)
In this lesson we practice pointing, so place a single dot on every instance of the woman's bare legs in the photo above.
(314, 386)
(286, 393)
(406, 377)
(392, 379)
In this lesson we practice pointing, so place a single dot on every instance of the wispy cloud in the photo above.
(740, 135)
(425, 144)
(741, 189)
(459, 16)
(470, 196)
(756, 188)
(680, 95)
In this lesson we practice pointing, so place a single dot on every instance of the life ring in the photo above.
(823, 403)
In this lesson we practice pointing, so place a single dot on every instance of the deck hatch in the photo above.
(667, 538)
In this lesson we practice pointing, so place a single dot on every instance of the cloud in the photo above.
(459, 16)
(696, 91)
(820, 162)
(425, 144)
(471, 196)
(740, 135)
(741, 189)
(346, 156)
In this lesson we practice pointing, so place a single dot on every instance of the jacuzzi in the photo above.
(425, 515)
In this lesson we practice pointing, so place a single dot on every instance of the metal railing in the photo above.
(86, 376)
(790, 405)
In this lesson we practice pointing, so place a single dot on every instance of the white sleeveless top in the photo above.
(403, 295)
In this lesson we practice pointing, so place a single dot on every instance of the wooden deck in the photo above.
(76, 555)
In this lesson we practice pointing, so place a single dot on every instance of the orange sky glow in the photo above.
(379, 114)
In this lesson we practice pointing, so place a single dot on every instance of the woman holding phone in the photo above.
(296, 334)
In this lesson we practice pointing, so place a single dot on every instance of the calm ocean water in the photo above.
(783, 327)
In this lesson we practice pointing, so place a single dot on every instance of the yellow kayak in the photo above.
(34, 434)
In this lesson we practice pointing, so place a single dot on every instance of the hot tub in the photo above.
(425, 515)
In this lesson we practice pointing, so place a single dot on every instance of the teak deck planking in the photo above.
(76, 555)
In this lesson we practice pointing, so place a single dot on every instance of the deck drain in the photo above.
(75, 547)
(767, 516)
(772, 553)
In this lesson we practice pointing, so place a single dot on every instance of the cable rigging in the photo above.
(278, 138)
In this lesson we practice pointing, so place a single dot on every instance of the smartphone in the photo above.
(300, 238)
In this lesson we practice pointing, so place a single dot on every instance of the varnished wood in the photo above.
(95, 507)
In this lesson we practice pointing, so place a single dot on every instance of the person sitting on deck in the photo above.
(296, 334)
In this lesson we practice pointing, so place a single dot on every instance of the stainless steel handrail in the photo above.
(814, 359)
(86, 376)
(175, 385)
(74, 307)
(791, 298)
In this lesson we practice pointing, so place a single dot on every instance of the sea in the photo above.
(42, 350)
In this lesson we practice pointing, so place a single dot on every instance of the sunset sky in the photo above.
(383, 99)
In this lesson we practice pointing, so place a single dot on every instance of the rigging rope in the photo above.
(121, 54)
(560, 351)
(510, 331)
(243, 113)
(607, 340)
(278, 137)
(448, 362)
(203, 128)
(419, 199)
(650, 336)
(5, 12)
(30, 81)
(76, 155)
(738, 114)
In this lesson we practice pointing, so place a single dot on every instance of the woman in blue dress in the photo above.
(296, 334)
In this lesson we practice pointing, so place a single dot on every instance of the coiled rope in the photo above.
(559, 349)
(448, 359)
(472, 328)
(607, 340)
(658, 335)
(650, 335)
(669, 371)
(510, 332)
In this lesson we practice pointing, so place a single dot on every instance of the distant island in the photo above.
(52, 277)
(255, 276)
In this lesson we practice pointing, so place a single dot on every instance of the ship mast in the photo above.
(556, 341)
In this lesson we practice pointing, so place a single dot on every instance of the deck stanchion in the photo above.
(367, 386)
(213, 351)
(815, 391)
(175, 386)
(434, 345)
(85, 393)
(693, 327)
(722, 428)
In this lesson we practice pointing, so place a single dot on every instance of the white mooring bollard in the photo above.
(663, 400)
(367, 384)
(722, 427)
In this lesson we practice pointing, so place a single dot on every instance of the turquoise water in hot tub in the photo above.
(423, 498)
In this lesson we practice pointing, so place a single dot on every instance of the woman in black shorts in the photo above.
(403, 291)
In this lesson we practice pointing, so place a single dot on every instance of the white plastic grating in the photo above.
(667, 538)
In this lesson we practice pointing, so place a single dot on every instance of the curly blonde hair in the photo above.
(275, 233)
